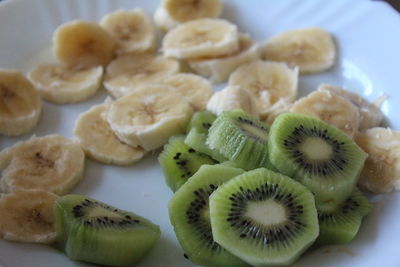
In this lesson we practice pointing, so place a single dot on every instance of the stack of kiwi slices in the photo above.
(267, 193)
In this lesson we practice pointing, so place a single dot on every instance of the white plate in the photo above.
(368, 35)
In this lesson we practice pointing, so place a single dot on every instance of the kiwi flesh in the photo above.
(201, 120)
(318, 155)
(180, 161)
(240, 138)
(92, 231)
(189, 215)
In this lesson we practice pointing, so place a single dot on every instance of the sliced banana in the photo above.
(201, 38)
(371, 115)
(149, 116)
(20, 104)
(61, 84)
(331, 108)
(281, 106)
(128, 71)
(132, 30)
(233, 97)
(268, 81)
(27, 216)
(381, 173)
(100, 143)
(218, 69)
(83, 44)
(51, 163)
(163, 20)
(312, 49)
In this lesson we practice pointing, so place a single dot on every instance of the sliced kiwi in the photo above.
(240, 138)
(91, 231)
(201, 120)
(318, 155)
(342, 225)
(264, 218)
(180, 161)
(189, 214)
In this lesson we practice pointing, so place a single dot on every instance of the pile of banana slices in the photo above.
(155, 90)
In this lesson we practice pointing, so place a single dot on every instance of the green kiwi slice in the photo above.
(264, 218)
(91, 231)
(180, 161)
(342, 225)
(201, 120)
(318, 155)
(240, 138)
(189, 214)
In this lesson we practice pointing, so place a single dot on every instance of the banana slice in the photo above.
(128, 71)
(83, 44)
(132, 30)
(268, 81)
(371, 115)
(331, 108)
(100, 143)
(281, 106)
(163, 20)
(312, 49)
(185, 10)
(51, 163)
(27, 216)
(218, 69)
(201, 38)
(233, 97)
(61, 84)
(20, 104)
(381, 173)
(149, 116)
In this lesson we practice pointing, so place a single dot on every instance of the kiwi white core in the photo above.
(315, 148)
(101, 212)
(257, 132)
(267, 212)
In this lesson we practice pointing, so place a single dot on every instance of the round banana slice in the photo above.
(381, 173)
(185, 10)
(218, 69)
(233, 97)
(27, 216)
(132, 30)
(201, 38)
(268, 81)
(83, 44)
(312, 49)
(51, 163)
(331, 108)
(20, 104)
(280, 107)
(100, 143)
(371, 115)
(149, 116)
(163, 20)
(61, 84)
(128, 71)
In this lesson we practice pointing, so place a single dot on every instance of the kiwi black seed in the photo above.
(318, 155)
(264, 218)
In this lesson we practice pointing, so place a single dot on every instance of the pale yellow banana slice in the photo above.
(312, 49)
(149, 116)
(20, 104)
(128, 71)
(281, 106)
(83, 44)
(371, 115)
(381, 173)
(268, 81)
(201, 38)
(61, 84)
(331, 108)
(51, 163)
(218, 69)
(100, 143)
(133, 30)
(185, 10)
(163, 20)
(233, 97)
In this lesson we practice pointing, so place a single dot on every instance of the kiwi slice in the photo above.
(341, 226)
(264, 218)
(318, 155)
(240, 138)
(91, 231)
(180, 161)
(189, 214)
(201, 120)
